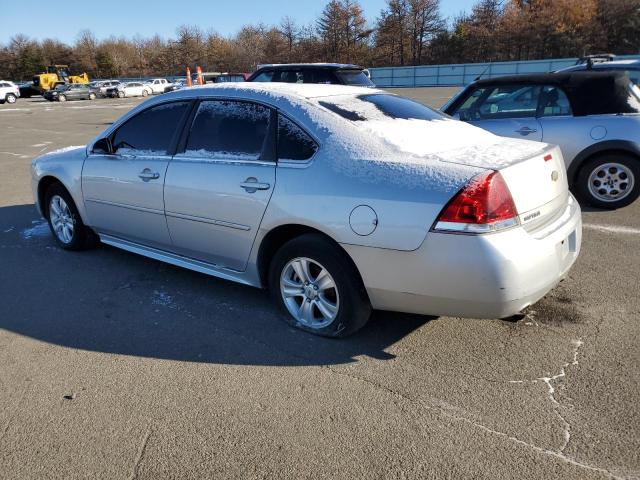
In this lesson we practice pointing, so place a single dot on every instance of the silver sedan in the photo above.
(337, 199)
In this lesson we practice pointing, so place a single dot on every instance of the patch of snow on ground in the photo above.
(163, 299)
(38, 228)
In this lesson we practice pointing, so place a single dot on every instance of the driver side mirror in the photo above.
(103, 146)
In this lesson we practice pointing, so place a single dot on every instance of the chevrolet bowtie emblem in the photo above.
(555, 175)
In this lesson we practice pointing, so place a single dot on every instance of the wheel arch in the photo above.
(277, 237)
(610, 146)
(44, 184)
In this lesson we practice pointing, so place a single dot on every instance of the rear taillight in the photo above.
(484, 205)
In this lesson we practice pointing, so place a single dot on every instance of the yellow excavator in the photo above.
(56, 75)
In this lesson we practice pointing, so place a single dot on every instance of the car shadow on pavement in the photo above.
(108, 300)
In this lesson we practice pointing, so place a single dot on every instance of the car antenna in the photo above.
(483, 72)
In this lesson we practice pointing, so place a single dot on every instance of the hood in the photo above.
(66, 153)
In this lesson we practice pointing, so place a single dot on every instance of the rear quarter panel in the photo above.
(323, 196)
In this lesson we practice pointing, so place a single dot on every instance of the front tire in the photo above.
(120, 94)
(92, 96)
(609, 181)
(10, 98)
(318, 287)
(144, 93)
(64, 220)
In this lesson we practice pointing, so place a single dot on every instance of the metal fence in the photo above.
(465, 73)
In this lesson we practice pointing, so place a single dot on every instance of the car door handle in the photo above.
(147, 175)
(251, 184)
(526, 131)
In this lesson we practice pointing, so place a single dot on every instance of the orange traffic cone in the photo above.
(189, 83)
(199, 74)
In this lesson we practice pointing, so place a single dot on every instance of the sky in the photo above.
(41, 19)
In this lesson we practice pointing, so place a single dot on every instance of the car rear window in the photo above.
(354, 77)
(379, 106)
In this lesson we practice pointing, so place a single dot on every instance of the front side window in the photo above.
(151, 131)
(498, 102)
(293, 142)
(224, 129)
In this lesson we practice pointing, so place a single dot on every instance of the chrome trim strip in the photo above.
(210, 221)
(177, 260)
(122, 205)
(190, 159)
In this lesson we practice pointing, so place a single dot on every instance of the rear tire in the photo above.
(92, 96)
(62, 98)
(10, 98)
(65, 223)
(120, 94)
(610, 180)
(317, 286)
(144, 93)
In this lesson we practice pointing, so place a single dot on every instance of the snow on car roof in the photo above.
(299, 90)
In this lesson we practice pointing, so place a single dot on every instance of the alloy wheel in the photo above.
(611, 182)
(309, 293)
(61, 219)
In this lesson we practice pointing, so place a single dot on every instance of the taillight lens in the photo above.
(483, 205)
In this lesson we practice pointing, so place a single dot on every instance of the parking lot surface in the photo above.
(117, 366)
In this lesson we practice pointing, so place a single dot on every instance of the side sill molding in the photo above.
(177, 260)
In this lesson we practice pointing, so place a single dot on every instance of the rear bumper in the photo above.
(482, 276)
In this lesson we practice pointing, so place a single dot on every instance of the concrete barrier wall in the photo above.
(464, 73)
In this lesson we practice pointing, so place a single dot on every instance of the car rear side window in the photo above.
(554, 102)
(266, 76)
(229, 129)
(293, 143)
(151, 131)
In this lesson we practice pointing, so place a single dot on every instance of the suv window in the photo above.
(151, 131)
(229, 129)
(554, 102)
(498, 102)
(266, 76)
(293, 142)
(354, 77)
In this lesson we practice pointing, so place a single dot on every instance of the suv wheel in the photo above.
(65, 222)
(609, 181)
(10, 98)
(318, 287)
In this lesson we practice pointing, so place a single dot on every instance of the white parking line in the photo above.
(612, 228)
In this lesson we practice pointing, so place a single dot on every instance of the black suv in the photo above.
(332, 73)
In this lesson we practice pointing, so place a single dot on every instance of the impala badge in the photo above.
(555, 175)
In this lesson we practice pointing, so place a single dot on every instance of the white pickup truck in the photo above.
(157, 85)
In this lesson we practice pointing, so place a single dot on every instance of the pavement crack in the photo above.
(553, 453)
(141, 451)
(551, 393)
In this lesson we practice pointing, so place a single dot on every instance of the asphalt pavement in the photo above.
(114, 366)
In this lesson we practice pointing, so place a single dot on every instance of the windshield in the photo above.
(354, 77)
(378, 106)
